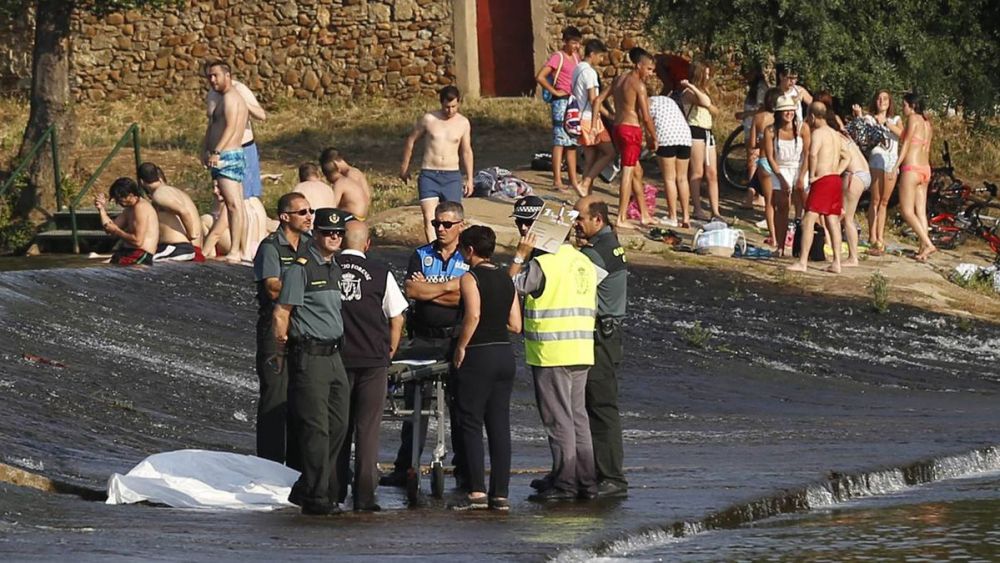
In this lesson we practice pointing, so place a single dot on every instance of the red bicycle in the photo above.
(949, 229)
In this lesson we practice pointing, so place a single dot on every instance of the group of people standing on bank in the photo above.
(330, 320)
(678, 125)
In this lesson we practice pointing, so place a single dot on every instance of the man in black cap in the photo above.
(275, 254)
(308, 323)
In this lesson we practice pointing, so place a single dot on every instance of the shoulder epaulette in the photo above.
(302, 260)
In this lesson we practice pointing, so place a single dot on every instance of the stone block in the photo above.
(310, 81)
(291, 77)
(124, 43)
(200, 50)
(322, 16)
(115, 19)
(378, 13)
(211, 31)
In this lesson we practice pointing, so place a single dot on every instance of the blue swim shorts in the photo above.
(559, 136)
(251, 177)
(445, 185)
(232, 165)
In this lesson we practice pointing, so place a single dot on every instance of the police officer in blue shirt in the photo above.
(432, 284)
(308, 324)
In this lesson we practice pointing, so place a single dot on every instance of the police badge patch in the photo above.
(350, 287)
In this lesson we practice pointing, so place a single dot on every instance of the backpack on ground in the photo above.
(816, 253)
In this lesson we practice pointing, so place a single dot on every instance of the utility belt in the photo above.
(607, 326)
(315, 347)
(432, 332)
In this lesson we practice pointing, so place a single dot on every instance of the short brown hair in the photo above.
(308, 170)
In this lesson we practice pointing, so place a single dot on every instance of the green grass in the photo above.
(878, 286)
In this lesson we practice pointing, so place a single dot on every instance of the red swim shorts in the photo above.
(826, 196)
(628, 139)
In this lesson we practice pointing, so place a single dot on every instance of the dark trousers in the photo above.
(482, 388)
(368, 388)
(426, 349)
(602, 405)
(272, 405)
(318, 401)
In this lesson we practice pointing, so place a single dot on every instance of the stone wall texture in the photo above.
(619, 36)
(294, 48)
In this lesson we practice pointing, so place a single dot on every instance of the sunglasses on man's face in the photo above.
(330, 233)
(301, 212)
(446, 224)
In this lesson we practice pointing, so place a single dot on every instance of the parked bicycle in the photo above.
(733, 163)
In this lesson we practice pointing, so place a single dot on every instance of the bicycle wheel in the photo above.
(733, 161)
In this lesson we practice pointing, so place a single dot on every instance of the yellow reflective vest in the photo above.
(559, 325)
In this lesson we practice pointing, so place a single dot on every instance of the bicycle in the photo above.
(733, 160)
(949, 229)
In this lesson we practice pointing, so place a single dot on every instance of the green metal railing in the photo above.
(133, 132)
(48, 135)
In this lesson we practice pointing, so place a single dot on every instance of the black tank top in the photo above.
(496, 293)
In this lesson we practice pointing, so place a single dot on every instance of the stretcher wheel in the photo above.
(412, 486)
(437, 480)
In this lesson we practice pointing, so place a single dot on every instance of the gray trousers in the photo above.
(368, 389)
(561, 396)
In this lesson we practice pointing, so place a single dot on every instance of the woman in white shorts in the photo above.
(882, 162)
(786, 147)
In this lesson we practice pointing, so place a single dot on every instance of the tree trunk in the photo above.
(51, 104)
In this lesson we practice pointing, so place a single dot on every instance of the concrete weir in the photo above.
(787, 401)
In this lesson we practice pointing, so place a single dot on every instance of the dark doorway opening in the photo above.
(506, 53)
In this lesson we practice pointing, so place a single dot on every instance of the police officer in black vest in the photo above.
(274, 255)
(373, 308)
(604, 250)
(308, 324)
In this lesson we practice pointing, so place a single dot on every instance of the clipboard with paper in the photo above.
(551, 226)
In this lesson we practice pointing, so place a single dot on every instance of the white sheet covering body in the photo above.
(205, 479)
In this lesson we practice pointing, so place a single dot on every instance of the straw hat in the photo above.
(785, 103)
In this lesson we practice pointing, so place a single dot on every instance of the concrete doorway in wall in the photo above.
(506, 47)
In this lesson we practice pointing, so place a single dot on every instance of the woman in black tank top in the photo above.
(484, 365)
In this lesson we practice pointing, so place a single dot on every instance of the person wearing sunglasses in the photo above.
(432, 322)
(309, 326)
(274, 256)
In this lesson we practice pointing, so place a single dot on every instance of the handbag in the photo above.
(547, 96)
(720, 242)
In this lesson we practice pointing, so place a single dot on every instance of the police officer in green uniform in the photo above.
(274, 255)
(604, 250)
(308, 324)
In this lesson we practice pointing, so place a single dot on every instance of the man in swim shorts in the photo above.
(631, 106)
(180, 237)
(136, 225)
(223, 151)
(828, 158)
(449, 139)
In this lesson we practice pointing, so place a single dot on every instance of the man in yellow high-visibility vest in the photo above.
(560, 304)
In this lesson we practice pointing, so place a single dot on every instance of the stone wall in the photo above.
(301, 48)
(619, 36)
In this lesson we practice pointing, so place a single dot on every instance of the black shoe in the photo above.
(552, 494)
(541, 483)
(610, 489)
(320, 508)
(501, 504)
(586, 495)
(296, 498)
(469, 503)
(367, 508)
(394, 479)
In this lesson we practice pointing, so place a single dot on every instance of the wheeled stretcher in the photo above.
(428, 380)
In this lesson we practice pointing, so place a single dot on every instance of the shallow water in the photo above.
(772, 389)
(954, 520)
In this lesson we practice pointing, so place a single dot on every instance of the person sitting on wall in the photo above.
(136, 226)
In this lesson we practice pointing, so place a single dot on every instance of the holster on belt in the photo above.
(316, 347)
(607, 325)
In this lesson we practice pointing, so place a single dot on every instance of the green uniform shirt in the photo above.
(605, 252)
(312, 287)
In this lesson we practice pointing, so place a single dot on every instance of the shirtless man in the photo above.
(312, 186)
(251, 179)
(449, 140)
(223, 151)
(631, 108)
(857, 179)
(828, 158)
(350, 191)
(136, 226)
(180, 228)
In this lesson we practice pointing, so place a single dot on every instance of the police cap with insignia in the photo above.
(331, 219)
(528, 207)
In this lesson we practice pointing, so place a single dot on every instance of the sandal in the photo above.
(470, 503)
(501, 504)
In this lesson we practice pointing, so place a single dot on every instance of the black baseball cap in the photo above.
(331, 219)
(528, 207)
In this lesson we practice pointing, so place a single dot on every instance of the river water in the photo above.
(752, 412)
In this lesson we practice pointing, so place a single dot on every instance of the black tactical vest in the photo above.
(366, 330)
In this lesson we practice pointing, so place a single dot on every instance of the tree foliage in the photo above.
(948, 50)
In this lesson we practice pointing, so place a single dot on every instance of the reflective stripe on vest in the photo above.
(559, 325)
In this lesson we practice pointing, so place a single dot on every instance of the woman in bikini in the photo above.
(700, 111)
(882, 163)
(762, 120)
(915, 172)
(786, 147)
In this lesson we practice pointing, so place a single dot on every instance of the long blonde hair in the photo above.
(698, 75)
